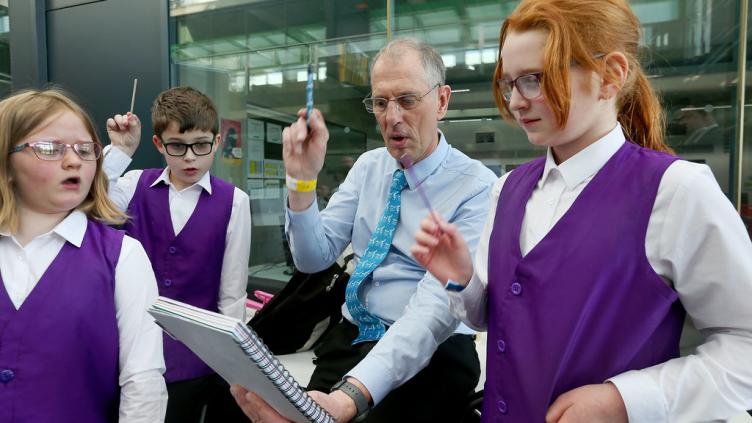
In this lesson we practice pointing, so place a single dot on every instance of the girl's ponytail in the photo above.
(640, 113)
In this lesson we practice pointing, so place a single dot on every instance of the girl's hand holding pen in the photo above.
(441, 249)
(303, 150)
(124, 132)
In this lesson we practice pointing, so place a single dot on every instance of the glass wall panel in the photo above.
(466, 33)
(4, 50)
(691, 47)
(746, 170)
(252, 57)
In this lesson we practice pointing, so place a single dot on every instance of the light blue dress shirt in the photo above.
(400, 292)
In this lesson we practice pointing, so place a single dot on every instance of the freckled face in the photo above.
(522, 53)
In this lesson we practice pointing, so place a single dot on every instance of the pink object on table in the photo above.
(261, 295)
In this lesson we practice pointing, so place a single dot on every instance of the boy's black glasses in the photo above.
(55, 150)
(528, 86)
(378, 105)
(178, 149)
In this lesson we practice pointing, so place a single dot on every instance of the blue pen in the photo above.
(309, 95)
(407, 162)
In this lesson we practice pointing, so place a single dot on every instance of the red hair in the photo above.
(578, 31)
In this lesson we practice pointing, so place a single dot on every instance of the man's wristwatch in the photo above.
(362, 405)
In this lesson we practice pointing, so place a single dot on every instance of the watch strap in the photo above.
(362, 405)
(454, 286)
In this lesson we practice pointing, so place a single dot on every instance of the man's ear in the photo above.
(617, 65)
(218, 140)
(444, 91)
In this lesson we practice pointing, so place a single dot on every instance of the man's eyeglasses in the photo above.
(378, 105)
(55, 150)
(178, 149)
(528, 86)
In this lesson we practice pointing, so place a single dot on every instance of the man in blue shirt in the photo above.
(397, 355)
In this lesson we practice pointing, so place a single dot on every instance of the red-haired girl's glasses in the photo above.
(528, 86)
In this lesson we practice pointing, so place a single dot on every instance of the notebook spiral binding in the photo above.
(281, 378)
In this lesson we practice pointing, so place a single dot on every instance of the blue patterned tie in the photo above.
(370, 327)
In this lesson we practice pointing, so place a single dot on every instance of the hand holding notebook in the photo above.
(259, 411)
(237, 354)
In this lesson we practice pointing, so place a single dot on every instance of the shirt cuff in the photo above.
(143, 398)
(376, 379)
(310, 210)
(116, 161)
(456, 305)
(642, 397)
(305, 218)
(467, 304)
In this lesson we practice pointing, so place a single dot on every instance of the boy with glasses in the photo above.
(188, 222)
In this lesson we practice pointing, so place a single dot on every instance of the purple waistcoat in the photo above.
(188, 266)
(59, 352)
(584, 304)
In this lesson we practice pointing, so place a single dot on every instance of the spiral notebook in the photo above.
(237, 354)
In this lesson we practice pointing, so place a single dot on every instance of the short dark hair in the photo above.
(189, 108)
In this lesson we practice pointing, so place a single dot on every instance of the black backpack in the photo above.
(304, 310)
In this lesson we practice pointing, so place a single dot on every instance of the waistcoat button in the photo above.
(7, 375)
(502, 405)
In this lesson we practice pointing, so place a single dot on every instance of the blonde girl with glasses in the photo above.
(593, 255)
(76, 343)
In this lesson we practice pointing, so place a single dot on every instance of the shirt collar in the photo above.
(587, 162)
(71, 229)
(428, 165)
(204, 182)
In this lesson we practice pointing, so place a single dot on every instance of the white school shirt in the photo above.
(143, 394)
(234, 277)
(698, 244)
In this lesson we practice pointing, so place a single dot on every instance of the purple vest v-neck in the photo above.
(59, 351)
(584, 304)
(188, 266)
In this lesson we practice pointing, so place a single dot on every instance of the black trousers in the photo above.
(438, 393)
(187, 399)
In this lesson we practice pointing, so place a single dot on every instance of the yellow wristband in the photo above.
(299, 185)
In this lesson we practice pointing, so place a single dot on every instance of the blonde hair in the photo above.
(579, 31)
(20, 115)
